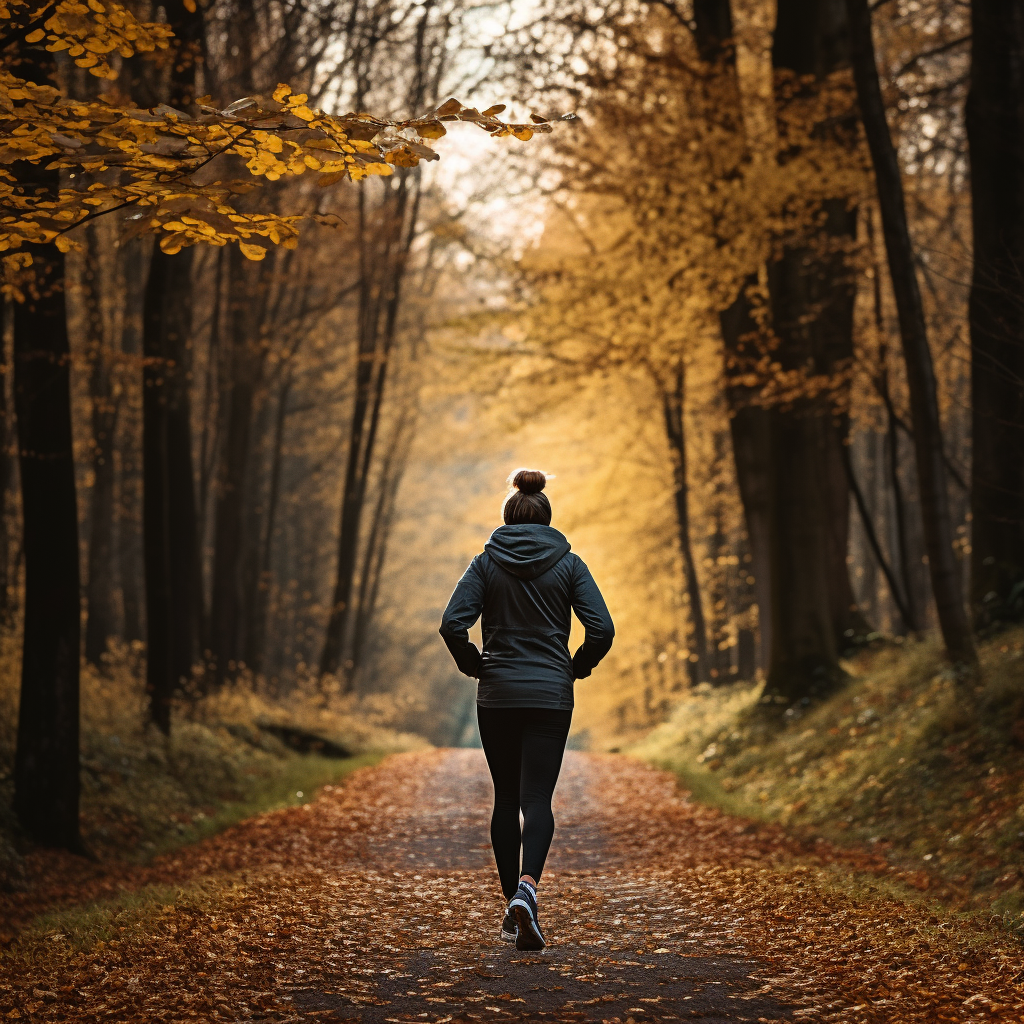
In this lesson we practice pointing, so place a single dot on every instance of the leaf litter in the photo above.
(378, 902)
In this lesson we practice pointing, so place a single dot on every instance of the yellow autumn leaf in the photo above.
(252, 252)
(331, 178)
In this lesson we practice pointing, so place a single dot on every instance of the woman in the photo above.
(524, 584)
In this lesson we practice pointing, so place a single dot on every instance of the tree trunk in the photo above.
(46, 785)
(995, 132)
(131, 570)
(813, 614)
(170, 529)
(100, 589)
(242, 365)
(805, 652)
(924, 404)
(174, 598)
(261, 624)
(673, 404)
(749, 426)
(8, 450)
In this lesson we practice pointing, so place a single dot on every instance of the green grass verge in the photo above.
(294, 781)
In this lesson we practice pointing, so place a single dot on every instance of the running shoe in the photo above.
(508, 927)
(524, 907)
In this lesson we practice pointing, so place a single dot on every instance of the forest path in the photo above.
(378, 902)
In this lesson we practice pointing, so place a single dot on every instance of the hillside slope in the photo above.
(894, 761)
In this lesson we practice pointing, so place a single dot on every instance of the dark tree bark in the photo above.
(924, 404)
(130, 561)
(46, 764)
(995, 132)
(811, 36)
(673, 405)
(170, 527)
(8, 454)
(784, 452)
(46, 785)
(712, 27)
(100, 588)
(242, 367)
(258, 639)
(911, 617)
(750, 429)
(813, 614)
(805, 646)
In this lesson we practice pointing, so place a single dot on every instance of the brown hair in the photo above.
(524, 503)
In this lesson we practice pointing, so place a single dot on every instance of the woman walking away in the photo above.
(524, 584)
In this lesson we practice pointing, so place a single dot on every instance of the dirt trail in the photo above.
(378, 902)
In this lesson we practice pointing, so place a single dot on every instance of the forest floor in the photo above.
(378, 902)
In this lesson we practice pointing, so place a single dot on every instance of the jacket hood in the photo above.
(526, 550)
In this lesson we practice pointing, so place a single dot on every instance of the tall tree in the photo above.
(924, 405)
(170, 526)
(674, 410)
(788, 454)
(995, 132)
(811, 295)
(240, 373)
(46, 784)
(8, 478)
(105, 408)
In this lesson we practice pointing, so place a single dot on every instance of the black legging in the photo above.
(524, 748)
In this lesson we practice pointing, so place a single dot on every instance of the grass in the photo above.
(295, 780)
(898, 761)
(144, 794)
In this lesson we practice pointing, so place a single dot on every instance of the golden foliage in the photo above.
(152, 156)
(89, 32)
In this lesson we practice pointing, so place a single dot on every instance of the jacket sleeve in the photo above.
(463, 610)
(590, 609)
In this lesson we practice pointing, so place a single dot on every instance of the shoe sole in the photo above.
(529, 937)
(507, 936)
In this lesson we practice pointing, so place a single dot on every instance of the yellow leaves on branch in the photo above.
(90, 31)
(156, 152)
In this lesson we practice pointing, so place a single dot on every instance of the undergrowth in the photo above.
(898, 760)
(225, 760)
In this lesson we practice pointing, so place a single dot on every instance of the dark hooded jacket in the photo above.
(525, 584)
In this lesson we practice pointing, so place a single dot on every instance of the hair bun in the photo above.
(529, 481)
